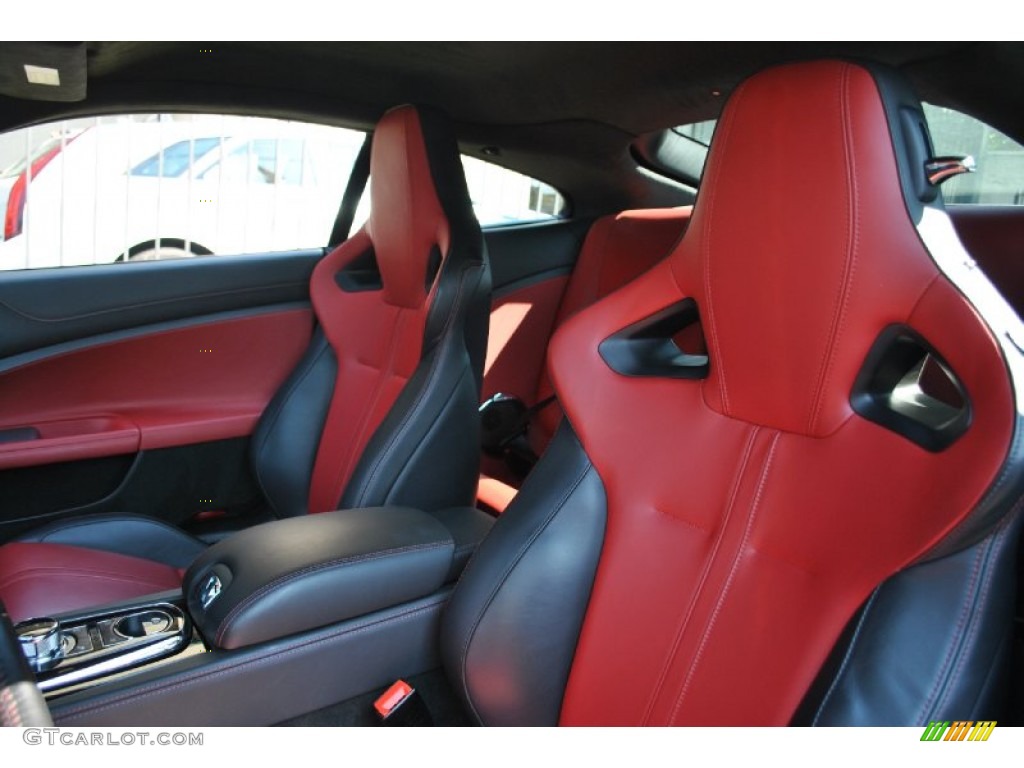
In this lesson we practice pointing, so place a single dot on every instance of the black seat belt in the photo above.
(353, 194)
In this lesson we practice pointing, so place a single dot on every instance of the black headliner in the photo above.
(563, 112)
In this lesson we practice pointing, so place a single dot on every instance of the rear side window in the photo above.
(699, 132)
(501, 196)
(119, 189)
(999, 179)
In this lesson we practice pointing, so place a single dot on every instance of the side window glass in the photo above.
(141, 187)
(501, 196)
(126, 188)
(999, 179)
(699, 132)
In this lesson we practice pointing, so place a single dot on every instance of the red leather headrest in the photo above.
(800, 249)
(406, 219)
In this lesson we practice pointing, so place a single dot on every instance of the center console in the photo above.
(277, 620)
(91, 647)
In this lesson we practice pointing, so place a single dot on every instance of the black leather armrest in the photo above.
(293, 575)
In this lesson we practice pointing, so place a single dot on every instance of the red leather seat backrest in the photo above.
(617, 249)
(750, 513)
(377, 335)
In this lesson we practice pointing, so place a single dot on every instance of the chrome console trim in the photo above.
(105, 644)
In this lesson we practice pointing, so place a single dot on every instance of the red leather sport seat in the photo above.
(382, 409)
(815, 523)
(618, 247)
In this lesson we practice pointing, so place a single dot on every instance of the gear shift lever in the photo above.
(42, 643)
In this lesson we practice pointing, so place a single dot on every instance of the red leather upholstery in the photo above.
(521, 324)
(378, 348)
(617, 249)
(494, 495)
(377, 337)
(46, 579)
(406, 220)
(994, 236)
(751, 513)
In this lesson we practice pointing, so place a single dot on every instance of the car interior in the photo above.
(732, 437)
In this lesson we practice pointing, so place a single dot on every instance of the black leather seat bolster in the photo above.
(131, 535)
(931, 643)
(518, 608)
(425, 453)
(294, 575)
(291, 426)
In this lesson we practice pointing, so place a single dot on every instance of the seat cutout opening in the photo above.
(650, 347)
(361, 274)
(433, 267)
(906, 387)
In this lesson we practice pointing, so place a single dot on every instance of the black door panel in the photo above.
(43, 307)
(173, 484)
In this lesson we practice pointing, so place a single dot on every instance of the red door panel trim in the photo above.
(209, 381)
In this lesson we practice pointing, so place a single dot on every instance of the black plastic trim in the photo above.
(645, 348)
(677, 158)
(433, 268)
(361, 274)
(895, 352)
